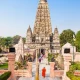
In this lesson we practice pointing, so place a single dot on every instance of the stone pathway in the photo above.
(44, 63)
(47, 78)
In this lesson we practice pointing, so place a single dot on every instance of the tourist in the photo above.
(44, 72)
(39, 59)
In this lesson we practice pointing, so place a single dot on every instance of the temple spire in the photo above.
(29, 29)
(20, 40)
(43, 1)
(43, 21)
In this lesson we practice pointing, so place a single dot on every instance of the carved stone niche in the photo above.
(33, 38)
(42, 40)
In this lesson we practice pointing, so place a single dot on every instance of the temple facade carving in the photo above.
(42, 37)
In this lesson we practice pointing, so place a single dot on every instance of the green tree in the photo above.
(5, 43)
(50, 57)
(18, 65)
(60, 61)
(66, 36)
(8, 41)
(28, 57)
(15, 39)
(74, 66)
(24, 40)
(5, 76)
(2, 41)
(77, 42)
(0, 50)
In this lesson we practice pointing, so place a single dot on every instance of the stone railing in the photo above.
(77, 72)
(58, 73)
(11, 67)
(68, 57)
(54, 73)
(3, 71)
(24, 73)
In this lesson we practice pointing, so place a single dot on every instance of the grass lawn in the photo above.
(4, 66)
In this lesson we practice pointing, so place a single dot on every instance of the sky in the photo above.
(17, 15)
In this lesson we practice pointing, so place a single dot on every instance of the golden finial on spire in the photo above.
(43, 0)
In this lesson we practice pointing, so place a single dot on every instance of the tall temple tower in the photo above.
(29, 35)
(42, 23)
(56, 41)
(42, 37)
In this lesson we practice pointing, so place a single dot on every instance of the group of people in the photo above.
(44, 69)
(41, 57)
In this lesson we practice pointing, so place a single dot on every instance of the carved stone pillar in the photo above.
(66, 68)
(30, 68)
(52, 74)
(46, 53)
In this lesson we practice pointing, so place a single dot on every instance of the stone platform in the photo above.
(46, 78)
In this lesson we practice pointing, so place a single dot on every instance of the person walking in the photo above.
(44, 72)
(39, 59)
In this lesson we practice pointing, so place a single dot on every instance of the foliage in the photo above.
(50, 57)
(18, 65)
(15, 39)
(0, 50)
(58, 58)
(74, 66)
(22, 63)
(8, 42)
(28, 58)
(24, 40)
(20, 59)
(4, 66)
(60, 61)
(5, 76)
(71, 76)
(77, 42)
(66, 36)
(2, 41)
(5, 43)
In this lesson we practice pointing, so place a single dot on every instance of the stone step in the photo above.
(40, 78)
(45, 61)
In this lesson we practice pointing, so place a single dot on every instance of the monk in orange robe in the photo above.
(43, 72)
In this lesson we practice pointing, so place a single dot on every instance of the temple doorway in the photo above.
(42, 51)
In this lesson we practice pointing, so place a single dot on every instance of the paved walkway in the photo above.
(44, 63)
(47, 78)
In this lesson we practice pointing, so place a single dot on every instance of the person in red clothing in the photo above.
(44, 72)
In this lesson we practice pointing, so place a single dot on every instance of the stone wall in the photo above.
(15, 73)
(77, 57)
(55, 73)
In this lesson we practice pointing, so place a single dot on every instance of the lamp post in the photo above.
(37, 68)
(73, 47)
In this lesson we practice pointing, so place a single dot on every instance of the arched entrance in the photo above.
(42, 51)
